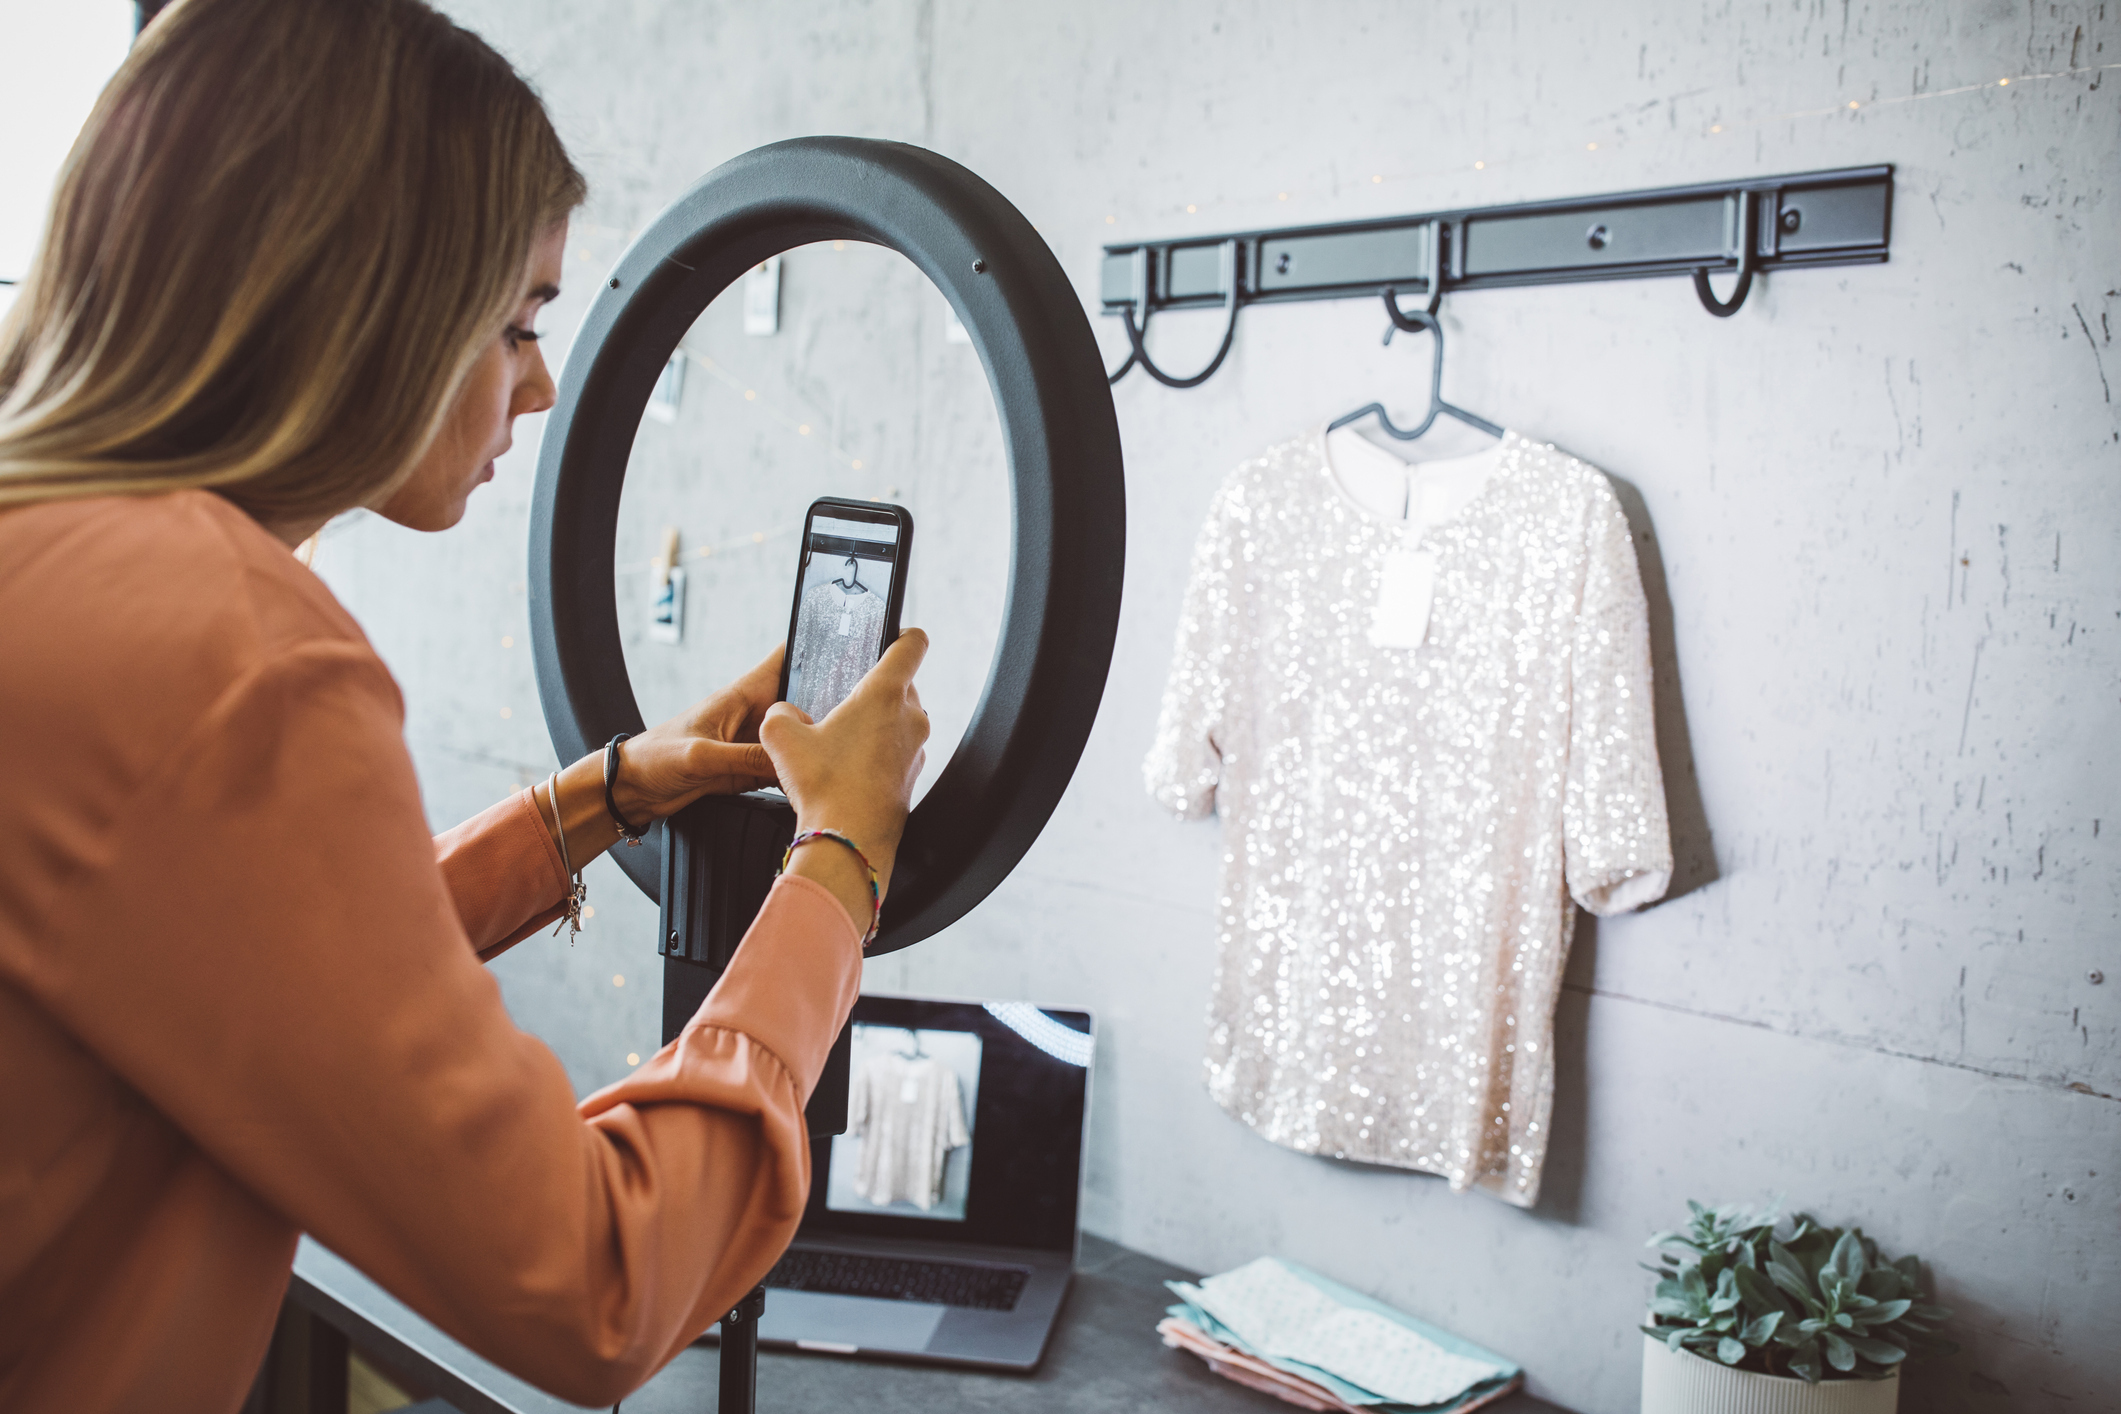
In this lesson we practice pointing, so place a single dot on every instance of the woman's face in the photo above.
(508, 380)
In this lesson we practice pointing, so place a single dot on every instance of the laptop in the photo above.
(941, 1226)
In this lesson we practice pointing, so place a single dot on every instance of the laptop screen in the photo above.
(964, 1124)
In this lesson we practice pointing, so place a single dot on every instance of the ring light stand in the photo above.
(714, 861)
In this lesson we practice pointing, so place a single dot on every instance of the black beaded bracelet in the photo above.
(611, 802)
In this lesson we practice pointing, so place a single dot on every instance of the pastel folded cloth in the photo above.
(1273, 1318)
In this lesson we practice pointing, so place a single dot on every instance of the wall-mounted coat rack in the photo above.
(1750, 227)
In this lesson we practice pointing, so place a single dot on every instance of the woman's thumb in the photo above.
(741, 759)
(782, 720)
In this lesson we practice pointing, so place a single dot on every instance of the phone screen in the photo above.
(846, 602)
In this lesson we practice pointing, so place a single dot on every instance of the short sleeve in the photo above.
(1184, 765)
(955, 1134)
(1619, 849)
(858, 1100)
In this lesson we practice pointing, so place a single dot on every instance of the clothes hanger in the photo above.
(852, 584)
(917, 1053)
(1419, 319)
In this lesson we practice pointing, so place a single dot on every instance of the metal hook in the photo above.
(1748, 262)
(1137, 334)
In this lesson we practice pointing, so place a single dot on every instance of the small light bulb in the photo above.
(803, 429)
(1480, 166)
(1590, 147)
(589, 911)
(1111, 220)
(1854, 104)
(758, 537)
(839, 245)
(618, 979)
(857, 463)
(506, 713)
(508, 640)
(1377, 179)
(1191, 208)
(1281, 196)
(2003, 83)
(750, 396)
(633, 1058)
(1715, 127)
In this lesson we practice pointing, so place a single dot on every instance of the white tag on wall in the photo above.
(1404, 592)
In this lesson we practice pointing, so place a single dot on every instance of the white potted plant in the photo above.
(1744, 1321)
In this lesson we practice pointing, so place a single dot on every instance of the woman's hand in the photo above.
(854, 771)
(711, 750)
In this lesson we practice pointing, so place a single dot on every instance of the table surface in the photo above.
(1104, 1356)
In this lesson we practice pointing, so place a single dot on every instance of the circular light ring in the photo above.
(1058, 427)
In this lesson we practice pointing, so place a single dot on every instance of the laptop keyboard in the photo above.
(967, 1284)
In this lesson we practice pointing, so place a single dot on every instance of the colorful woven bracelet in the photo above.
(876, 891)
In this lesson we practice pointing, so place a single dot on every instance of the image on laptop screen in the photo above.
(964, 1125)
(912, 1101)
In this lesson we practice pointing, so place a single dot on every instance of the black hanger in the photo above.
(1410, 322)
(853, 582)
(917, 1053)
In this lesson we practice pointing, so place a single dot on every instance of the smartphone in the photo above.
(850, 583)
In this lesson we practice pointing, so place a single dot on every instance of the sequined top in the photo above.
(908, 1115)
(837, 638)
(1404, 828)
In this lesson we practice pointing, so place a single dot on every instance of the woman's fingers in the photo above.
(781, 719)
(894, 671)
(730, 768)
(854, 770)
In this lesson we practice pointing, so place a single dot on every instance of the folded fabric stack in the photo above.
(1276, 1327)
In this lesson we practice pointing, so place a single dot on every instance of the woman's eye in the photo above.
(518, 336)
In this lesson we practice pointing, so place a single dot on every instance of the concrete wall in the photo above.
(1877, 510)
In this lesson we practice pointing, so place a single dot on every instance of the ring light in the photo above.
(1062, 439)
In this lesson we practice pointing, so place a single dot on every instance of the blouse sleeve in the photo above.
(1619, 850)
(1184, 765)
(303, 1002)
(503, 873)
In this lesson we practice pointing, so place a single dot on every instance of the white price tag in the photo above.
(846, 622)
(1404, 592)
(910, 1090)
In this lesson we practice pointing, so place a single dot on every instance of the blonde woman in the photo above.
(292, 268)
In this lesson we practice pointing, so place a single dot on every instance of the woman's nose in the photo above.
(536, 392)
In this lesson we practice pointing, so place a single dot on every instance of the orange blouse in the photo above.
(240, 1000)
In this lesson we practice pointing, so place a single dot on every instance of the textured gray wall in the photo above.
(1878, 511)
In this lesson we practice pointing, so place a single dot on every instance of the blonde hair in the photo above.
(283, 237)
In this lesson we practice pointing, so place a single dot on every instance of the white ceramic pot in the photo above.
(1681, 1382)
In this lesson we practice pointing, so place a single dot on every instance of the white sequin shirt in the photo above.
(1405, 828)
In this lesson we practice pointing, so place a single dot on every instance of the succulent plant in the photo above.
(1817, 1304)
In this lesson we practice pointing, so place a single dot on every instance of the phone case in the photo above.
(894, 597)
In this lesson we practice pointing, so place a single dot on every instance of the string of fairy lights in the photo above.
(794, 422)
(810, 426)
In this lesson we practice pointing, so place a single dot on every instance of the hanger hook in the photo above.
(1748, 262)
(1137, 333)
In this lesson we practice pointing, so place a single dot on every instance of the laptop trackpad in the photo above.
(814, 1317)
